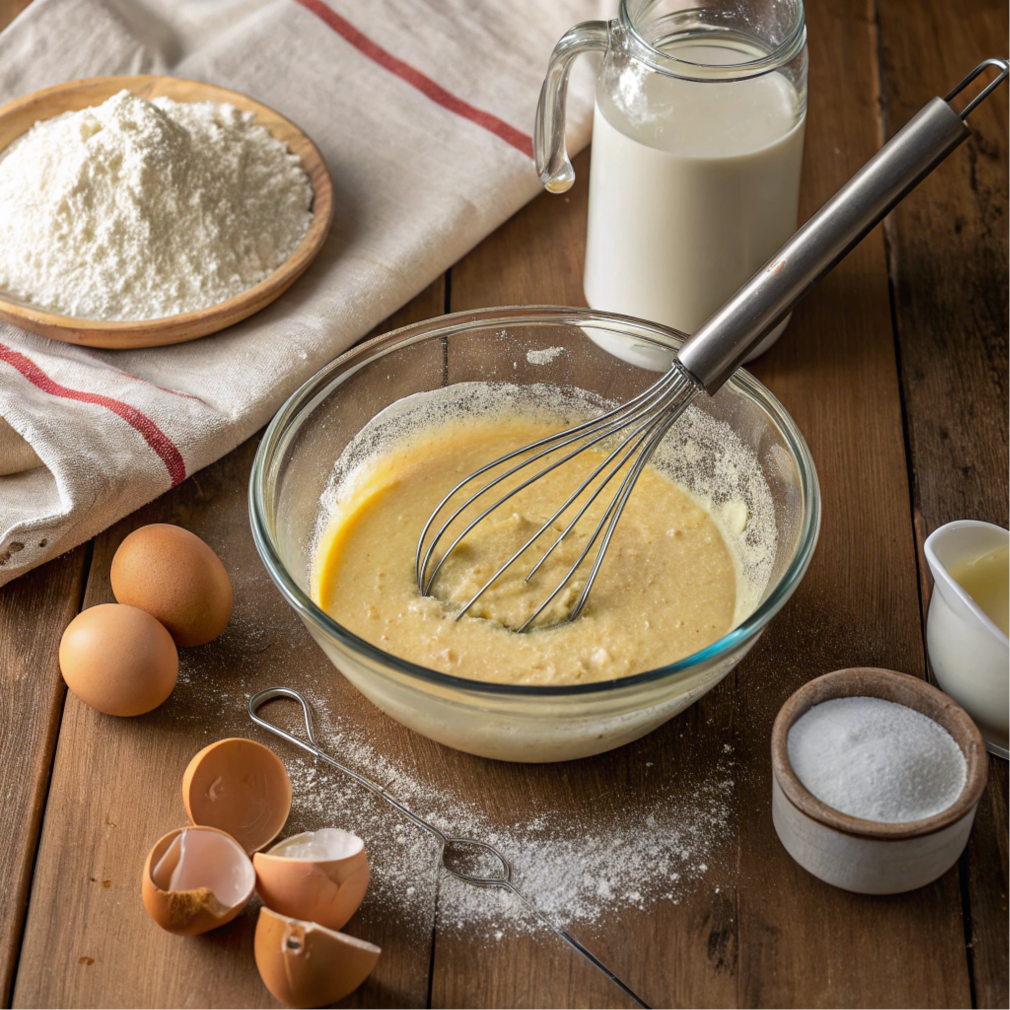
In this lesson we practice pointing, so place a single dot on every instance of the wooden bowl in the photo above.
(874, 857)
(19, 116)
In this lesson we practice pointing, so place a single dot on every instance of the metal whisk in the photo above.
(704, 362)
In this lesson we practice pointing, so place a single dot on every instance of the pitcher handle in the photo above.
(553, 165)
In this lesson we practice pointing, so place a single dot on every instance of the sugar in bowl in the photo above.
(876, 779)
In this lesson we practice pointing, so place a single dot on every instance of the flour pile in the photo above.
(138, 210)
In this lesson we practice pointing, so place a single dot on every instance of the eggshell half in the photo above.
(304, 964)
(317, 875)
(173, 575)
(118, 659)
(196, 879)
(241, 787)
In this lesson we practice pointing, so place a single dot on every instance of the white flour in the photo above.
(140, 210)
(543, 355)
(581, 870)
(875, 759)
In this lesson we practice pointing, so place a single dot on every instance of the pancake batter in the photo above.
(667, 588)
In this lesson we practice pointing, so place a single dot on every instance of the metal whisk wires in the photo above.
(637, 426)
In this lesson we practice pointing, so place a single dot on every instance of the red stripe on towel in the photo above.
(151, 433)
(438, 94)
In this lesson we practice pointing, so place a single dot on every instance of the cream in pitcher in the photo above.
(697, 149)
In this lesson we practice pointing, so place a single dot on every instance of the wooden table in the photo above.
(895, 368)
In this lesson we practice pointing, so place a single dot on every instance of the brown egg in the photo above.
(304, 964)
(241, 787)
(196, 879)
(118, 659)
(173, 575)
(318, 875)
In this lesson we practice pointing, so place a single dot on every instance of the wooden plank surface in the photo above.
(759, 931)
(948, 270)
(34, 610)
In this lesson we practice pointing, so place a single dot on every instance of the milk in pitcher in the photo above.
(693, 185)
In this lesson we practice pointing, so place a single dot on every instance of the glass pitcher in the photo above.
(697, 148)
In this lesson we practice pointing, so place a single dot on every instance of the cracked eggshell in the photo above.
(317, 875)
(304, 964)
(241, 787)
(196, 879)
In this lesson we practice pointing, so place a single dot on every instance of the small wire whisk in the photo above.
(629, 434)
(647, 417)
(450, 847)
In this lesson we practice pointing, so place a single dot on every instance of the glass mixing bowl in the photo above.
(610, 355)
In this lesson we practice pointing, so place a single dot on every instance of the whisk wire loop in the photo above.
(557, 436)
(589, 543)
(635, 438)
(602, 429)
(650, 412)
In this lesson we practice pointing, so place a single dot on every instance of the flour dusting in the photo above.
(543, 355)
(580, 870)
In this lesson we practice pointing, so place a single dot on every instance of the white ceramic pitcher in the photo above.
(969, 655)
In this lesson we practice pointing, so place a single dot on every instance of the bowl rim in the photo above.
(307, 396)
(904, 689)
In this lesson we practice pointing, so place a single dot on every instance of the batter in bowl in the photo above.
(670, 585)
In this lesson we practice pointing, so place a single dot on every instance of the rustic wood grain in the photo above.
(948, 266)
(116, 788)
(34, 610)
(19, 115)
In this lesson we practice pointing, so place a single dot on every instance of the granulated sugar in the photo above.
(872, 758)
(140, 210)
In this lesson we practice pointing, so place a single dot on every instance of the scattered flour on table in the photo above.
(580, 870)
(543, 355)
(138, 209)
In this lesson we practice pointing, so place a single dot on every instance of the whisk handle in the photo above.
(722, 343)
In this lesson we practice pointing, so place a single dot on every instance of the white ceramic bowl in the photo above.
(873, 857)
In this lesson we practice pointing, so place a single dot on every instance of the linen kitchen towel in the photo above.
(423, 111)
